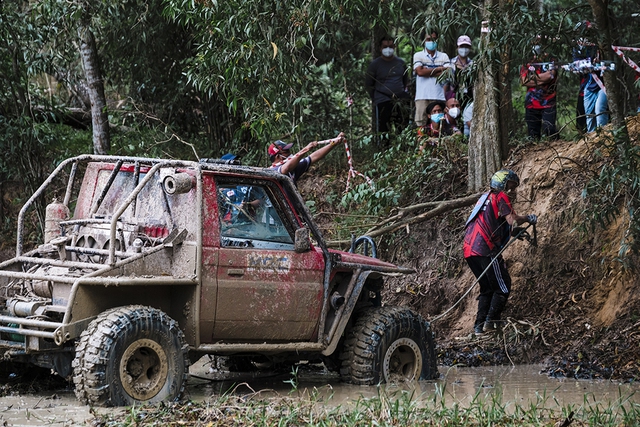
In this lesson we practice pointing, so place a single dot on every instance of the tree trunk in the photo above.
(615, 96)
(505, 96)
(91, 65)
(485, 153)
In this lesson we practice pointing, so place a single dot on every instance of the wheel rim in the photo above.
(143, 369)
(402, 361)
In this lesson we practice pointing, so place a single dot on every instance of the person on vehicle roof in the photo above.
(295, 165)
(488, 230)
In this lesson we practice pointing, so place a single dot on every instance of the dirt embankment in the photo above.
(573, 305)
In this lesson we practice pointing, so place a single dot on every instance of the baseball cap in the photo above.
(228, 156)
(464, 40)
(278, 146)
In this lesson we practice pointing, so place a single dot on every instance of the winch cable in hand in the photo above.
(518, 236)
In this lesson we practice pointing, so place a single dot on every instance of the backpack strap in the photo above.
(482, 201)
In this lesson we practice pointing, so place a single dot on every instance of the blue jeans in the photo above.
(596, 109)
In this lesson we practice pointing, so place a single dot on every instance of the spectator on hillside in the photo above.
(540, 78)
(386, 81)
(460, 86)
(428, 64)
(595, 99)
(295, 165)
(449, 124)
(435, 114)
(488, 230)
(582, 52)
(467, 116)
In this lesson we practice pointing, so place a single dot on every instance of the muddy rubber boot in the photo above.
(493, 322)
(484, 302)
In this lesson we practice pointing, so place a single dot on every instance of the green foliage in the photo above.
(405, 174)
(616, 189)
(292, 76)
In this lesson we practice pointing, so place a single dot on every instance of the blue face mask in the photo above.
(435, 118)
(430, 45)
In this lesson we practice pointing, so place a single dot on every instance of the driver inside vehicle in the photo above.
(246, 212)
(240, 204)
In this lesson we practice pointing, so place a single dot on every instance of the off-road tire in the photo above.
(131, 355)
(388, 344)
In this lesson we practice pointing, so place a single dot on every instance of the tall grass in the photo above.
(399, 408)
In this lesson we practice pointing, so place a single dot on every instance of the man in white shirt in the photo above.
(429, 64)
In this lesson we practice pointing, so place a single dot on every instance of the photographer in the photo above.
(540, 79)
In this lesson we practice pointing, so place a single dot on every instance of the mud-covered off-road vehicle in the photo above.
(148, 263)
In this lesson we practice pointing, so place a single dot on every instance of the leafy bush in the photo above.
(615, 189)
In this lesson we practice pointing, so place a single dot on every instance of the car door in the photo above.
(267, 292)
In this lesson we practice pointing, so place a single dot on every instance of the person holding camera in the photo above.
(541, 79)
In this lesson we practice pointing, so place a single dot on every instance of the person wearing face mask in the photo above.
(460, 86)
(428, 65)
(430, 132)
(386, 81)
(488, 230)
(449, 124)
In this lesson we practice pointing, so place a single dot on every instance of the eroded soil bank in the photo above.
(574, 306)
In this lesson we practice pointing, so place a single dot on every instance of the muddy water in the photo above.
(519, 384)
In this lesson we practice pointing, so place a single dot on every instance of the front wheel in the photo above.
(388, 344)
(131, 355)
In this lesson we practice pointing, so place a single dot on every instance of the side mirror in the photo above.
(303, 240)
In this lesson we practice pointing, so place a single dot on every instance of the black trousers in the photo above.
(495, 287)
(391, 112)
(541, 122)
(495, 280)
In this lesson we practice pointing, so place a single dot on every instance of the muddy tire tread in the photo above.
(360, 356)
(93, 350)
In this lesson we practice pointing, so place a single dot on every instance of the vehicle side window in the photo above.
(248, 218)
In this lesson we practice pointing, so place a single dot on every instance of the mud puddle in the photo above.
(522, 384)
(514, 384)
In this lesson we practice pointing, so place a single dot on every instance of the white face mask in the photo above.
(387, 51)
(464, 52)
(454, 112)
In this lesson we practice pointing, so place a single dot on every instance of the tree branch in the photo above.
(440, 207)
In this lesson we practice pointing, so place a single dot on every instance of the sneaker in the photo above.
(478, 329)
(492, 326)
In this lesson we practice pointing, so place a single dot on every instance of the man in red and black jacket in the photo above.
(540, 79)
(488, 230)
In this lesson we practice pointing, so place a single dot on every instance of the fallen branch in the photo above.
(440, 208)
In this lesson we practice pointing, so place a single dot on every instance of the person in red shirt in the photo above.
(488, 230)
(540, 79)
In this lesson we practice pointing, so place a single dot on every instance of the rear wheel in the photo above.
(130, 355)
(388, 344)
